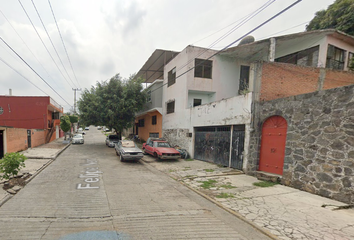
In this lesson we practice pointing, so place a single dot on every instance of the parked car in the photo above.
(78, 138)
(111, 140)
(160, 149)
(99, 127)
(128, 151)
(87, 128)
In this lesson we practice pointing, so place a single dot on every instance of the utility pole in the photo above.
(75, 89)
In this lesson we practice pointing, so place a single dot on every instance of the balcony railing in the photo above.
(55, 104)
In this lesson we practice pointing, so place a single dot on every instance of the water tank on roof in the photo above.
(246, 40)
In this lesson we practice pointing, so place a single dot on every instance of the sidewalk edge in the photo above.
(236, 214)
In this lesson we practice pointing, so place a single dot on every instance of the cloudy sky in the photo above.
(106, 37)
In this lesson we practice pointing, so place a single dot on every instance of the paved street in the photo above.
(86, 190)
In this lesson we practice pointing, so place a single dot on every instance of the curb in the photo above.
(236, 214)
(9, 196)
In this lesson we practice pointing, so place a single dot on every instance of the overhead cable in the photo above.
(50, 39)
(32, 69)
(56, 23)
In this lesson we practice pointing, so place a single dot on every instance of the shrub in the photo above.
(11, 164)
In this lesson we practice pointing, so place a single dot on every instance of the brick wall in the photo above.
(38, 137)
(280, 80)
(16, 139)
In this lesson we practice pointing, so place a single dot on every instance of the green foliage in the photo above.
(112, 104)
(339, 15)
(209, 170)
(73, 118)
(189, 159)
(351, 64)
(65, 123)
(11, 164)
(225, 195)
(208, 184)
(264, 184)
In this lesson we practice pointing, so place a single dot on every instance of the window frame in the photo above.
(195, 104)
(154, 120)
(141, 122)
(171, 77)
(170, 105)
(201, 67)
(332, 61)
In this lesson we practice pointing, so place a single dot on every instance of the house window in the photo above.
(154, 120)
(335, 58)
(148, 99)
(244, 78)
(154, 135)
(171, 107)
(350, 60)
(141, 123)
(307, 57)
(202, 68)
(197, 102)
(171, 77)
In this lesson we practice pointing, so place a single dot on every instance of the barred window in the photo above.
(154, 120)
(171, 107)
(171, 77)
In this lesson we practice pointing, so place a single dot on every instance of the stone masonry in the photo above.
(319, 154)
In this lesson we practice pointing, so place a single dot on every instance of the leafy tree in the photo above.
(113, 103)
(339, 15)
(65, 124)
(351, 64)
(73, 118)
(11, 164)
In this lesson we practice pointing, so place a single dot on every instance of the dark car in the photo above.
(111, 140)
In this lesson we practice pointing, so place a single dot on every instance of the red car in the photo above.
(160, 149)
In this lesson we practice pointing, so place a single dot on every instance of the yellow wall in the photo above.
(144, 132)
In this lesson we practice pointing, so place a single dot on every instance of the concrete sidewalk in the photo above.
(38, 158)
(284, 212)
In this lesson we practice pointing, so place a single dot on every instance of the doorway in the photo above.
(29, 138)
(273, 145)
(1, 144)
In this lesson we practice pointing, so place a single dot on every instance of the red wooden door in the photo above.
(273, 145)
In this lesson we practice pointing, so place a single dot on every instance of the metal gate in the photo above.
(212, 144)
(238, 140)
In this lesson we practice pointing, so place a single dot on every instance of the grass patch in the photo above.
(172, 170)
(209, 170)
(264, 184)
(227, 186)
(189, 159)
(208, 184)
(225, 195)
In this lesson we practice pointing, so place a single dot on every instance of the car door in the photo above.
(149, 148)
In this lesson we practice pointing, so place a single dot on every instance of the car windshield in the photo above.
(162, 144)
(78, 136)
(113, 137)
(128, 144)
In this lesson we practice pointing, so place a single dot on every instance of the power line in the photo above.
(43, 42)
(33, 70)
(56, 23)
(245, 20)
(22, 76)
(28, 47)
(223, 49)
(45, 29)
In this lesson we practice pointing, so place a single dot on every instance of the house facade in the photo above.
(210, 109)
(28, 122)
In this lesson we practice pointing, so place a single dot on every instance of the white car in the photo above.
(87, 128)
(78, 138)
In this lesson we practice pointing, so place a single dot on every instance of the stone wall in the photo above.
(177, 137)
(319, 155)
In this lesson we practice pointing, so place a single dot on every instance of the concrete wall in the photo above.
(319, 156)
(231, 111)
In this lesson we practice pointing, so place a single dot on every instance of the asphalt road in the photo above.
(86, 193)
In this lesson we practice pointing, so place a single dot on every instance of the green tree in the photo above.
(339, 15)
(112, 103)
(11, 164)
(65, 124)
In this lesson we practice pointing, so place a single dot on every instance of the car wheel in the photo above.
(144, 152)
(155, 155)
(121, 158)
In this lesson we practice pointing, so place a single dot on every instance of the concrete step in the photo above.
(271, 177)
